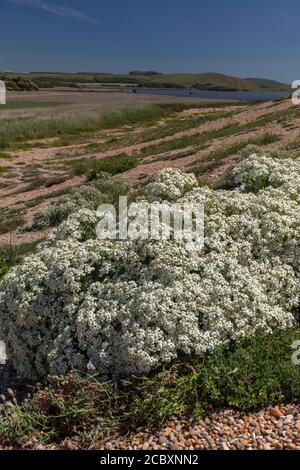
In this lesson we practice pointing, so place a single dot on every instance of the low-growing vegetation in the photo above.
(104, 189)
(14, 131)
(3, 169)
(199, 139)
(10, 219)
(11, 255)
(20, 84)
(252, 373)
(216, 158)
(5, 155)
(20, 104)
(112, 165)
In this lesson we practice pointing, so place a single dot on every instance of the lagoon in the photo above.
(248, 96)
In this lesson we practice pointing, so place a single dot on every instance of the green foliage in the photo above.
(3, 169)
(196, 140)
(14, 131)
(21, 84)
(246, 147)
(255, 372)
(12, 255)
(4, 268)
(104, 189)
(5, 155)
(112, 165)
(11, 104)
(10, 219)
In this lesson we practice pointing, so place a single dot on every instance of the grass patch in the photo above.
(202, 138)
(3, 169)
(5, 155)
(94, 146)
(179, 125)
(112, 165)
(31, 104)
(195, 140)
(54, 194)
(255, 372)
(10, 219)
(14, 131)
(214, 159)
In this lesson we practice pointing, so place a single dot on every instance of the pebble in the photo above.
(272, 428)
(276, 412)
(10, 393)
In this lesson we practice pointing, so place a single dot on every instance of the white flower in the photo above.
(128, 306)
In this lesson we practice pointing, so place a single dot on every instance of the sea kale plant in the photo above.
(126, 307)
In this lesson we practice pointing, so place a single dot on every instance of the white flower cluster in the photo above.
(254, 174)
(170, 184)
(130, 306)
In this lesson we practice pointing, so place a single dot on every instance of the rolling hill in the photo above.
(214, 81)
(203, 81)
(267, 84)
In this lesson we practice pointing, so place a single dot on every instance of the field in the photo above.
(63, 151)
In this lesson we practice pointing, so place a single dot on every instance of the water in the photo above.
(216, 95)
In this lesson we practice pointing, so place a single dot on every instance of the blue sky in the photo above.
(238, 37)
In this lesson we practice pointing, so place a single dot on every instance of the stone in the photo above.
(10, 393)
(167, 431)
(289, 417)
(267, 446)
(225, 446)
(276, 412)
(162, 440)
(69, 445)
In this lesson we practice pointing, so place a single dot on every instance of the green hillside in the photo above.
(203, 81)
(267, 84)
(214, 81)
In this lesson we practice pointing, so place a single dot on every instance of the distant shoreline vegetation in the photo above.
(149, 79)
(19, 84)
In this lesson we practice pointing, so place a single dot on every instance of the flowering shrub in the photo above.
(170, 184)
(254, 174)
(128, 306)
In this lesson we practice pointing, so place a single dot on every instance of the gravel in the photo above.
(271, 428)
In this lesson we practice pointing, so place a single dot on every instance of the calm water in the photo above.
(215, 95)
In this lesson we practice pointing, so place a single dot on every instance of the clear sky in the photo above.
(247, 38)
